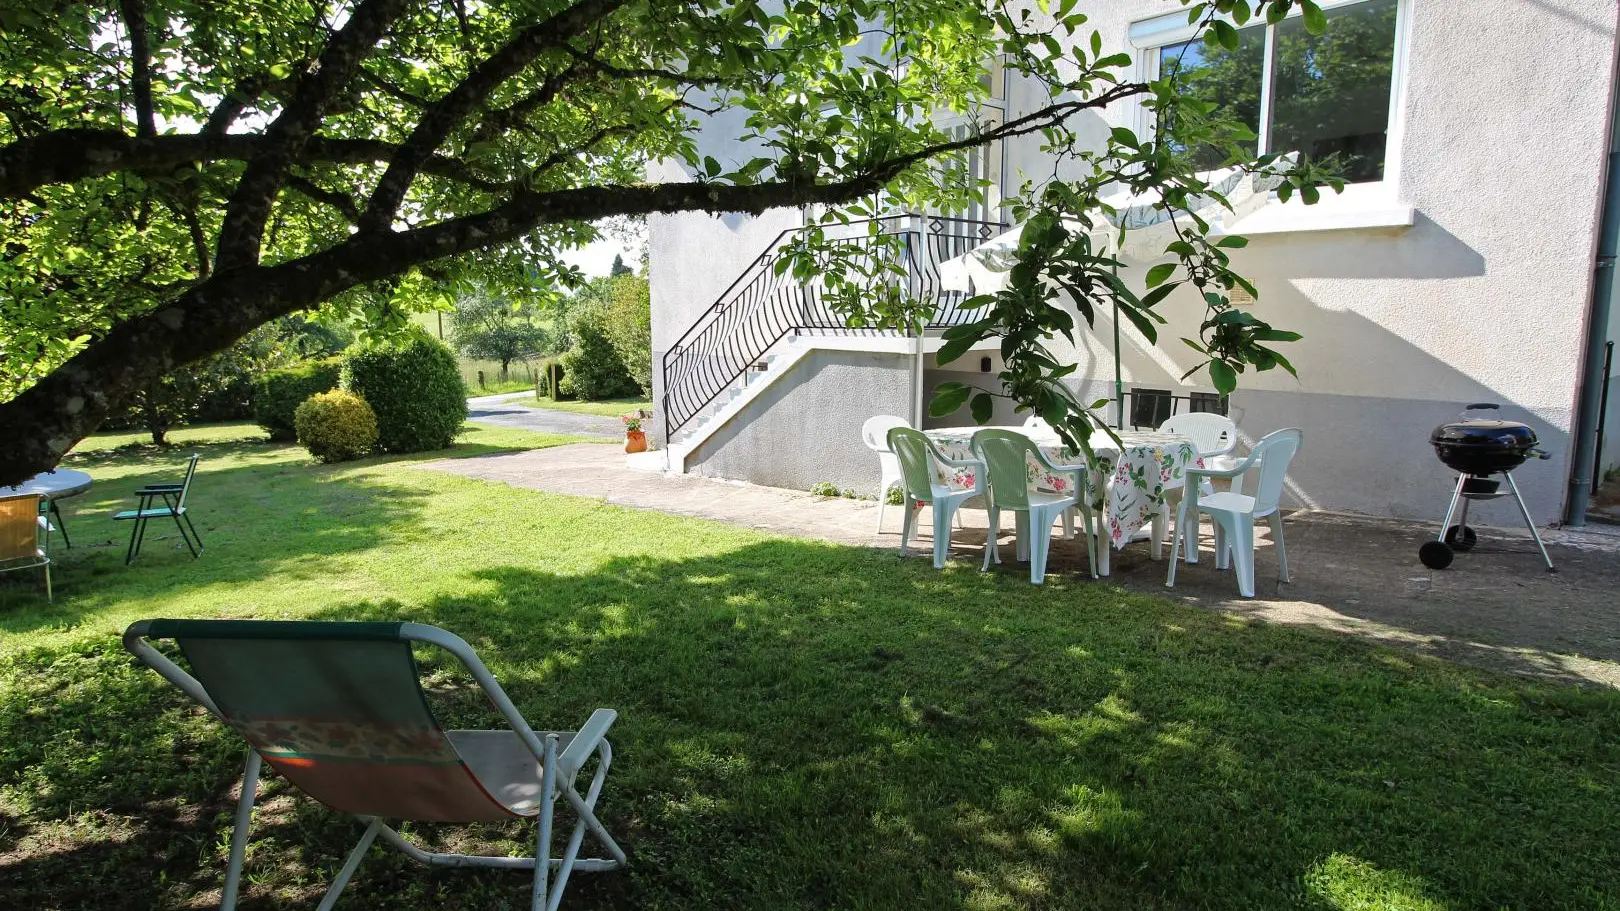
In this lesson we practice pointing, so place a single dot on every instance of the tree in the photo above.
(629, 326)
(619, 268)
(490, 327)
(175, 173)
(592, 368)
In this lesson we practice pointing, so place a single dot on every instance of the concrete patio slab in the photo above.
(1497, 606)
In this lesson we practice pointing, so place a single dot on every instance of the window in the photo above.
(1150, 407)
(1206, 403)
(1325, 95)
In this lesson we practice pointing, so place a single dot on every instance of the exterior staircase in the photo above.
(766, 323)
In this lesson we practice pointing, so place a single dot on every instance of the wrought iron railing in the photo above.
(761, 307)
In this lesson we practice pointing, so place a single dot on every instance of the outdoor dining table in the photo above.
(50, 486)
(1129, 479)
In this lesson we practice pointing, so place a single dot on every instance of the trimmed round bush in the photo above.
(413, 383)
(336, 426)
(278, 393)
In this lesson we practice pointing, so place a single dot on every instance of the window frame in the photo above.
(1149, 36)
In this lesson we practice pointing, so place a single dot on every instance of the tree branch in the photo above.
(67, 156)
(308, 188)
(235, 102)
(454, 106)
(242, 232)
(140, 57)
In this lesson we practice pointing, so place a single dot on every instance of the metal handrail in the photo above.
(760, 308)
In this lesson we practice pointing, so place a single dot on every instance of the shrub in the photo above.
(336, 426)
(629, 327)
(278, 393)
(593, 368)
(413, 384)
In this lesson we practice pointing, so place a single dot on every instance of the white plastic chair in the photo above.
(1235, 514)
(918, 456)
(1005, 455)
(1215, 435)
(875, 434)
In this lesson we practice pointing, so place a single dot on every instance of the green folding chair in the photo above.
(174, 507)
(1008, 457)
(338, 710)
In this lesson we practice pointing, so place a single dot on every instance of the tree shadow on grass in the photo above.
(809, 726)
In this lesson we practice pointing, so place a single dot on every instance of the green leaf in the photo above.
(1161, 273)
(711, 167)
(949, 397)
(1233, 242)
(1226, 34)
(1316, 21)
(1223, 377)
(982, 407)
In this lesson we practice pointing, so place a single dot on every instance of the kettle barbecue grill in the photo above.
(1479, 449)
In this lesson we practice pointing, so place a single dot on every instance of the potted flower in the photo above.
(635, 439)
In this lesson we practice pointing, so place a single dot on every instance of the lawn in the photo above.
(611, 408)
(802, 725)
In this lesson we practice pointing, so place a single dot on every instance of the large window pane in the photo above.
(1230, 79)
(1331, 91)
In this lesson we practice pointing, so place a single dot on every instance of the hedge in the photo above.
(413, 383)
(278, 393)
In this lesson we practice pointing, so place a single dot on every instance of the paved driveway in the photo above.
(506, 411)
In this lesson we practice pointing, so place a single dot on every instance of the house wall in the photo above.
(806, 428)
(1505, 107)
(1505, 110)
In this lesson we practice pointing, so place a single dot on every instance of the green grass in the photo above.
(611, 408)
(180, 436)
(802, 725)
(499, 388)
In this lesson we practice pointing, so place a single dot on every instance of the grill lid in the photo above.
(1508, 436)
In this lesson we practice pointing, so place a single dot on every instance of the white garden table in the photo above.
(50, 486)
(1130, 482)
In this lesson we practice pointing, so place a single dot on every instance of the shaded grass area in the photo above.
(195, 434)
(611, 408)
(802, 725)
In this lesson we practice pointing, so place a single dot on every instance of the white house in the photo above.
(1468, 262)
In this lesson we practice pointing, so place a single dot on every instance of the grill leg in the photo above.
(1529, 522)
(1462, 519)
(1452, 510)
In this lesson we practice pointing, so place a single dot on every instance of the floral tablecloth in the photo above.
(1132, 483)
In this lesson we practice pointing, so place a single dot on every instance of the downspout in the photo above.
(1588, 415)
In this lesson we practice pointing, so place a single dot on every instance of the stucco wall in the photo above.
(1483, 299)
(806, 428)
(1505, 108)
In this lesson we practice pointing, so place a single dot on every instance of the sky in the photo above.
(597, 258)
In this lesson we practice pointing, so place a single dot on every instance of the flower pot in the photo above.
(635, 441)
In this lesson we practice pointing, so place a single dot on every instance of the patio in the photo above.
(1497, 608)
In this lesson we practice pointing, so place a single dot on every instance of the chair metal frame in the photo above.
(174, 506)
(559, 774)
(42, 543)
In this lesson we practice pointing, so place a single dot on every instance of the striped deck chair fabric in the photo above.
(338, 710)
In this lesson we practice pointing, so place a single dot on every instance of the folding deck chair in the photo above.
(174, 507)
(338, 710)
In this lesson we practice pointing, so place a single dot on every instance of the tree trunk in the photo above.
(503, 369)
